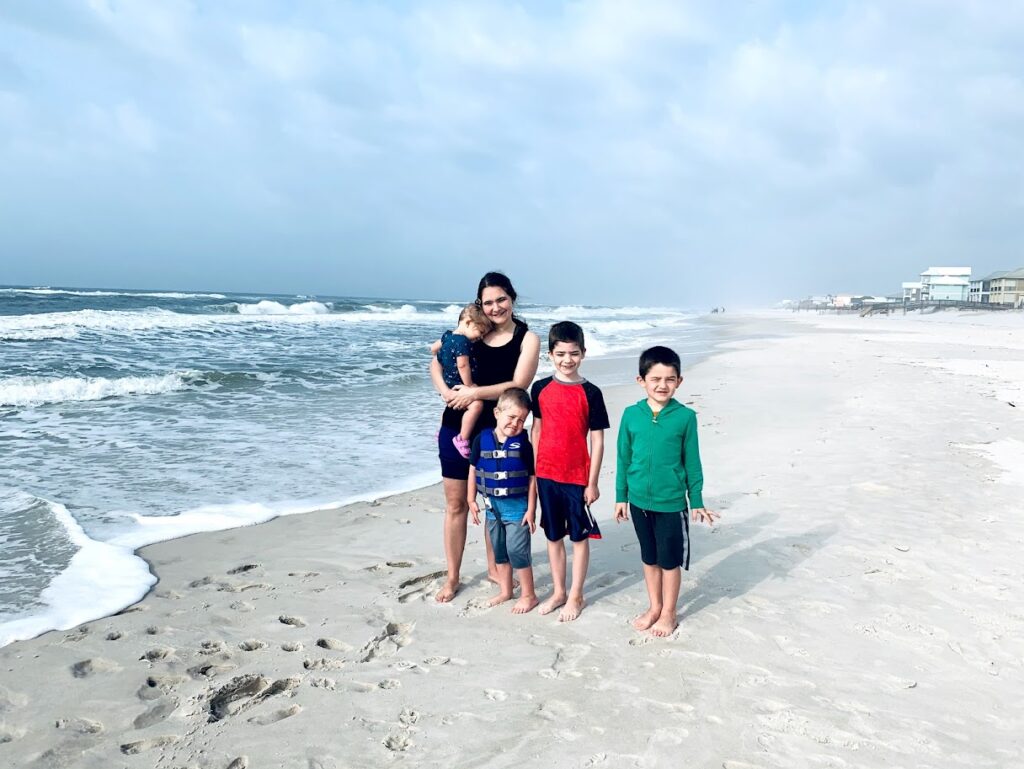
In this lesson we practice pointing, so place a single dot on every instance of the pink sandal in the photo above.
(462, 445)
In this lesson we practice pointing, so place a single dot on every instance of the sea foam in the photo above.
(35, 391)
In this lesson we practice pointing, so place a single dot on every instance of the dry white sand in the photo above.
(857, 606)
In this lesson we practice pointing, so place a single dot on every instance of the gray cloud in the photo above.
(694, 153)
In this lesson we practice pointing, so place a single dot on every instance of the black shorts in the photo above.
(664, 538)
(563, 511)
(453, 464)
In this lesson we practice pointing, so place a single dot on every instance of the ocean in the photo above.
(131, 417)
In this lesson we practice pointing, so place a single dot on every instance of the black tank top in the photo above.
(493, 365)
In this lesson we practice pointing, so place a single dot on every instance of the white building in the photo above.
(945, 283)
(911, 290)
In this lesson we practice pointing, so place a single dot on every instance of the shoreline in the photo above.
(853, 607)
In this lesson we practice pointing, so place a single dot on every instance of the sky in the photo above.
(636, 152)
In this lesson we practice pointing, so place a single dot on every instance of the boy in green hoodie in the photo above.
(657, 478)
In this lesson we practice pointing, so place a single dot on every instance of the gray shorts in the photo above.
(509, 537)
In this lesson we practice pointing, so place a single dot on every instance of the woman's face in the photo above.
(496, 304)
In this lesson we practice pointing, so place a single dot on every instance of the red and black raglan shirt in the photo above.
(569, 410)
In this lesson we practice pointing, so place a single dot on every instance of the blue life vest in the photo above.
(500, 472)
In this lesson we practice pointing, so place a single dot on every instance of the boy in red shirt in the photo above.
(566, 409)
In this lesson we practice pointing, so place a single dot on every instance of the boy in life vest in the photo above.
(501, 469)
(658, 476)
(567, 409)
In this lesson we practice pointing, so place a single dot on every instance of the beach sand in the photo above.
(858, 605)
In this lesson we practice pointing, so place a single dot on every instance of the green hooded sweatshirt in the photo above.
(658, 458)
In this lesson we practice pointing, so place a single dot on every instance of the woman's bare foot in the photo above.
(665, 626)
(648, 618)
(524, 604)
(447, 593)
(499, 599)
(571, 610)
(552, 603)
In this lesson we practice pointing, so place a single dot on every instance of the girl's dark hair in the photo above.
(495, 279)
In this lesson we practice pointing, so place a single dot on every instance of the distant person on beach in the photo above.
(455, 354)
(505, 357)
(658, 476)
(501, 469)
(566, 410)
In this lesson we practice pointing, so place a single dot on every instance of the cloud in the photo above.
(776, 142)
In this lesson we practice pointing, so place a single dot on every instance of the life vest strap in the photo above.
(513, 492)
(501, 475)
(499, 454)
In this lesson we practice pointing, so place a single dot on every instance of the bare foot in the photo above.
(665, 626)
(552, 603)
(524, 604)
(571, 610)
(492, 578)
(500, 598)
(645, 620)
(447, 593)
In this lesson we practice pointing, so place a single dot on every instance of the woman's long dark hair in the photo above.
(498, 280)
(495, 280)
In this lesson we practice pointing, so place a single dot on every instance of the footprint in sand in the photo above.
(157, 653)
(497, 695)
(10, 735)
(114, 635)
(286, 619)
(89, 667)
(245, 691)
(79, 725)
(433, 661)
(389, 683)
(291, 646)
(323, 683)
(386, 643)
(474, 607)
(567, 658)
(159, 712)
(400, 564)
(333, 644)
(641, 640)
(243, 606)
(398, 742)
(243, 568)
(209, 670)
(76, 635)
(304, 574)
(134, 748)
(252, 645)
(322, 664)
(408, 716)
(215, 646)
(277, 715)
(156, 630)
(242, 762)
(172, 595)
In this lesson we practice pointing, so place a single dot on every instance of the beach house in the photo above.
(911, 290)
(951, 283)
(1007, 288)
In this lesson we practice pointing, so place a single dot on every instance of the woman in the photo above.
(506, 357)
